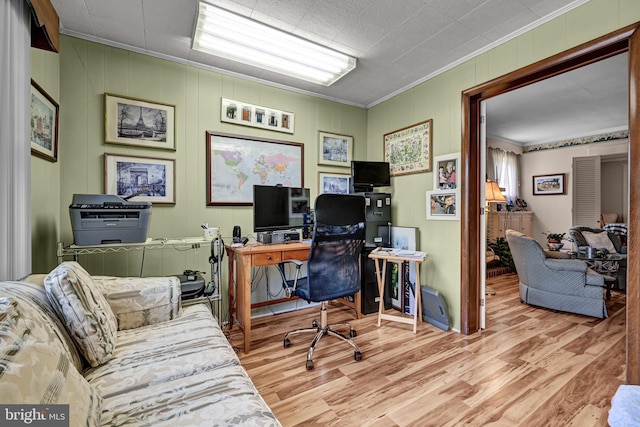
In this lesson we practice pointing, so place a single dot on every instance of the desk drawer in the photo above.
(266, 258)
(301, 255)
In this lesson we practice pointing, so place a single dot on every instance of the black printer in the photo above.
(105, 218)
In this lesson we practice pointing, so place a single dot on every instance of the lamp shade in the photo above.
(492, 192)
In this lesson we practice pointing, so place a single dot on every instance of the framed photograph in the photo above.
(147, 179)
(443, 205)
(236, 163)
(334, 183)
(257, 116)
(139, 123)
(44, 124)
(445, 176)
(408, 150)
(549, 184)
(334, 149)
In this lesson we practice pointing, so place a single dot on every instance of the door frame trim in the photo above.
(617, 42)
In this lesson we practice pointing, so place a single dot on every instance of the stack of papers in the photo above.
(399, 252)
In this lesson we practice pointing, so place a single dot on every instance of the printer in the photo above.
(105, 218)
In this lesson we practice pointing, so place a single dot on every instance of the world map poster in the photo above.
(236, 163)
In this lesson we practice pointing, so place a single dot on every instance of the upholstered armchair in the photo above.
(559, 284)
(602, 239)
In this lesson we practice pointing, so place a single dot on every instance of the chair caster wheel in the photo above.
(287, 343)
(357, 356)
(314, 324)
(309, 365)
(353, 333)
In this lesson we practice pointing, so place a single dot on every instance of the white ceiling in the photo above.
(398, 43)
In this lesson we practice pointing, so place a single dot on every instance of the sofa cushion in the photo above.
(34, 299)
(85, 311)
(141, 301)
(599, 240)
(35, 368)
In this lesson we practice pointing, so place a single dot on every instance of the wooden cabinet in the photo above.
(500, 221)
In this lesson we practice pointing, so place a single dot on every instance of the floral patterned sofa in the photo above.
(120, 351)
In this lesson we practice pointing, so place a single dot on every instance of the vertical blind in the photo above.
(15, 147)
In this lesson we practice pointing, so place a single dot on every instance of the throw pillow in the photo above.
(599, 240)
(36, 370)
(85, 311)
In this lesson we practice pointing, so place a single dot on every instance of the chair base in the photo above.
(325, 329)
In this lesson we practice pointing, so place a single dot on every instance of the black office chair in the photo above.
(333, 267)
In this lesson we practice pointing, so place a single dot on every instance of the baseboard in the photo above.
(497, 271)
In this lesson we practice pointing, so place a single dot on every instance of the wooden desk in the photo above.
(242, 260)
(381, 275)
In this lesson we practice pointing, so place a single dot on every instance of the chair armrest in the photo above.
(566, 264)
(141, 301)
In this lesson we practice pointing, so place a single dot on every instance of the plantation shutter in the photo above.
(586, 191)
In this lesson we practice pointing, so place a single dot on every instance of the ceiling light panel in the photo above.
(222, 33)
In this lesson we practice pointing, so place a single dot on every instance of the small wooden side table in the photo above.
(398, 256)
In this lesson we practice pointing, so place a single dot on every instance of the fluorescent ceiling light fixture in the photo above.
(222, 33)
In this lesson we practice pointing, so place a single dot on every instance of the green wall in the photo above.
(440, 99)
(87, 70)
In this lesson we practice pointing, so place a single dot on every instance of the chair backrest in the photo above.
(333, 270)
(580, 241)
(527, 254)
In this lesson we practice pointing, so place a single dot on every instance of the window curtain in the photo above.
(502, 167)
(15, 148)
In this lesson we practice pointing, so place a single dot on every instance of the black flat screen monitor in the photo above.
(279, 208)
(367, 175)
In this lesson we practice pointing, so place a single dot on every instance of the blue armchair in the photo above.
(558, 284)
(333, 267)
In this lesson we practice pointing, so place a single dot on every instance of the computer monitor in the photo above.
(280, 208)
(367, 175)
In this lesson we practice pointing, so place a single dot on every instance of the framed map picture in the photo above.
(236, 163)
(408, 150)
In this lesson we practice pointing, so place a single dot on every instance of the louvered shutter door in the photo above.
(586, 191)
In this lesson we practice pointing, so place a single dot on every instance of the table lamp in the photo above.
(492, 195)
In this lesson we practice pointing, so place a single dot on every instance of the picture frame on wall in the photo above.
(408, 150)
(139, 123)
(44, 124)
(445, 176)
(236, 163)
(334, 183)
(257, 116)
(549, 184)
(144, 179)
(443, 205)
(335, 149)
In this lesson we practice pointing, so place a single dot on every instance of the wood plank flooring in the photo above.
(530, 367)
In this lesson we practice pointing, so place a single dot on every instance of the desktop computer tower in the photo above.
(369, 295)
(378, 214)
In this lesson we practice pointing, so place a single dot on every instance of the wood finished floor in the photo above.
(530, 367)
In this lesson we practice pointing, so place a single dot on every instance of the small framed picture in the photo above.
(137, 122)
(443, 205)
(44, 124)
(143, 179)
(334, 149)
(549, 184)
(334, 183)
(446, 172)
